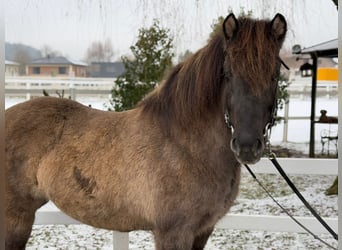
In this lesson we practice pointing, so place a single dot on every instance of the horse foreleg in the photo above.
(201, 240)
(173, 239)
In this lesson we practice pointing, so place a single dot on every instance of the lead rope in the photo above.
(300, 196)
(272, 158)
(285, 211)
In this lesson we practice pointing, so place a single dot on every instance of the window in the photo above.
(110, 69)
(36, 70)
(96, 68)
(62, 70)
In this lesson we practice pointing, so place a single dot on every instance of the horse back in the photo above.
(38, 124)
(32, 130)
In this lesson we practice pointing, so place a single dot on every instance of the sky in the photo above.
(70, 26)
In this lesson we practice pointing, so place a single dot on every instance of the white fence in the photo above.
(35, 85)
(295, 166)
(59, 83)
(18, 86)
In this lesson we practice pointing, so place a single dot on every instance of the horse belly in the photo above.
(118, 220)
(115, 214)
(103, 204)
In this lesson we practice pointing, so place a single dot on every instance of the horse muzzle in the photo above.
(247, 151)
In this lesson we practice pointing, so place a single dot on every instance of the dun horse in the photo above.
(171, 165)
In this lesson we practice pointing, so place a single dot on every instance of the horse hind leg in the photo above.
(20, 214)
(18, 226)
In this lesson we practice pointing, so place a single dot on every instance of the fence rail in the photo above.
(94, 84)
(18, 85)
(72, 86)
(296, 166)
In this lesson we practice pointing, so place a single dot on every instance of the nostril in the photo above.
(247, 149)
(258, 146)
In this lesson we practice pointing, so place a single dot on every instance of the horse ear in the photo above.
(279, 27)
(230, 26)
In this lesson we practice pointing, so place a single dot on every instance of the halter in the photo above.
(269, 124)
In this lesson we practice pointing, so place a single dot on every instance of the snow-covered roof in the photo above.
(326, 49)
(8, 62)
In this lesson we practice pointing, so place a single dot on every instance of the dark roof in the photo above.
(326, 49)
(56, 60)
(106, 69)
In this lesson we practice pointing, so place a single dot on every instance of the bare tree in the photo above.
(100, 51)
(46, 50)
(23, 58)
(184, 55)
(108, 50)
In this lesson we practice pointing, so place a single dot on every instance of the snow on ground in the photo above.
(251, 200)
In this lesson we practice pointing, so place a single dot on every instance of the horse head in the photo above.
(251, 71)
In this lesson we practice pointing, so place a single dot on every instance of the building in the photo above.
(56, 66)
(106, 69)
(327, 49)
(11, 68)
(295, 62)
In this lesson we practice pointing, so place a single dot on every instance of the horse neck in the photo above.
(213, 133)
(191, 97)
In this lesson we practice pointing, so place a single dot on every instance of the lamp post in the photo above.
(310, 70)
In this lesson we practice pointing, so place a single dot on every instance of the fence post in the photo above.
(28, 87)
(286, 121)
(120, 241)
(72, 91)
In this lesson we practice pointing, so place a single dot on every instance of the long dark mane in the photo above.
(194, 87)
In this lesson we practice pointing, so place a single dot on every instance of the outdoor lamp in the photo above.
(306, 70)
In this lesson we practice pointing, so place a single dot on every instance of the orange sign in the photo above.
(327, 74)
